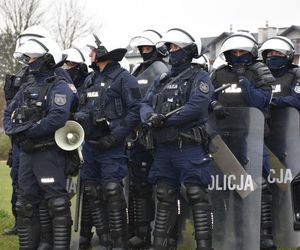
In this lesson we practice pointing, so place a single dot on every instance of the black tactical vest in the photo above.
(103, 102)
(232, 96)
(283, 83)
(32, 106)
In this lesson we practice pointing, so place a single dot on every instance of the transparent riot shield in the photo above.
(284, 142)
(236, 218)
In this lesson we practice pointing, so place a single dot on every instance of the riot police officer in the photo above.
(141, 204)
(278, 54)
(76, 66)
(109, 110)
(180, 138)
(250, 87)
(11, 87)
(35, 113)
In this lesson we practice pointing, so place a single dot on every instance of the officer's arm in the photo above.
(7, 121)
(292, 100)
(197, 106)
(131, 97)
(146, 103)
(58, 112)
(255, 96)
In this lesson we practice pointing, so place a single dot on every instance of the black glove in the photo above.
(263, 74)
(155, 120)
(27, 146)
(219, 110)
(106, 142)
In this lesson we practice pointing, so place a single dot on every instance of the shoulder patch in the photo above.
(204, 87)
(60, 99)
(297, 88)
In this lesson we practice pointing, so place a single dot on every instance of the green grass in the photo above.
(6, 218)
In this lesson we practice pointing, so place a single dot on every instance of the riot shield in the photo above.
(284, 142)
(236, 220)
(146, 78)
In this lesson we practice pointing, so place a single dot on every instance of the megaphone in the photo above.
(69, 137)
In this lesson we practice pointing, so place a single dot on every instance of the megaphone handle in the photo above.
(78, 202)
(79, 150)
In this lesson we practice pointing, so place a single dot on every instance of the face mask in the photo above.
(147, 56)
(177, 57)
(276, 62)
(77, 74)
(36, 66)
(245, 58)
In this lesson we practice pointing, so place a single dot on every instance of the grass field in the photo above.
(6, 218)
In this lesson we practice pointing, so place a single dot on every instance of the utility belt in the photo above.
(30, 146)
(196, 135)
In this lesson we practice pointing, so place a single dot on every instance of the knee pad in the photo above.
(59, 206)
(166, 193)
(24, 207)
(196, 194)
(93, 190)
(113, 194)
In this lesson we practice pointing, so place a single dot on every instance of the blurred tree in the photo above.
(72, 23)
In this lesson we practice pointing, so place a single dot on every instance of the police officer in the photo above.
(33, 116)
(251, 87)
(141, 204)
(180, 139)
(76, 66)
(278, 54)
(11, 86)
(109, 110)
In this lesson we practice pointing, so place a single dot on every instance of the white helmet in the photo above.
(74, 55)
(37, 47)
(107, 50)
(182, 39)
(146, 38)
(240, 41)
(203, 61)
(34, 31)
(278, 43)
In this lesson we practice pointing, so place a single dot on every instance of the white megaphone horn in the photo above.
(69, 137)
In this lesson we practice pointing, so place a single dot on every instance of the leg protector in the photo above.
(201, 209)
(266, 238)
(98, 210)
(116, 205)
(130, 207)
(86, 225)
(166, 211)
(143, 215)
(59, 209)
(28, 224)
(45, 227)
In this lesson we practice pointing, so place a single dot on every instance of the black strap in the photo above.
(177, 77)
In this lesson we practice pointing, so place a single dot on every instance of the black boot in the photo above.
(13, 230)
(28, 224)
(201, 209)
(86, 225)
(266, 236)
(116, 207)
(45, 227)
(165, 217)
(98, 212)
(59, 209)
(143, 205)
